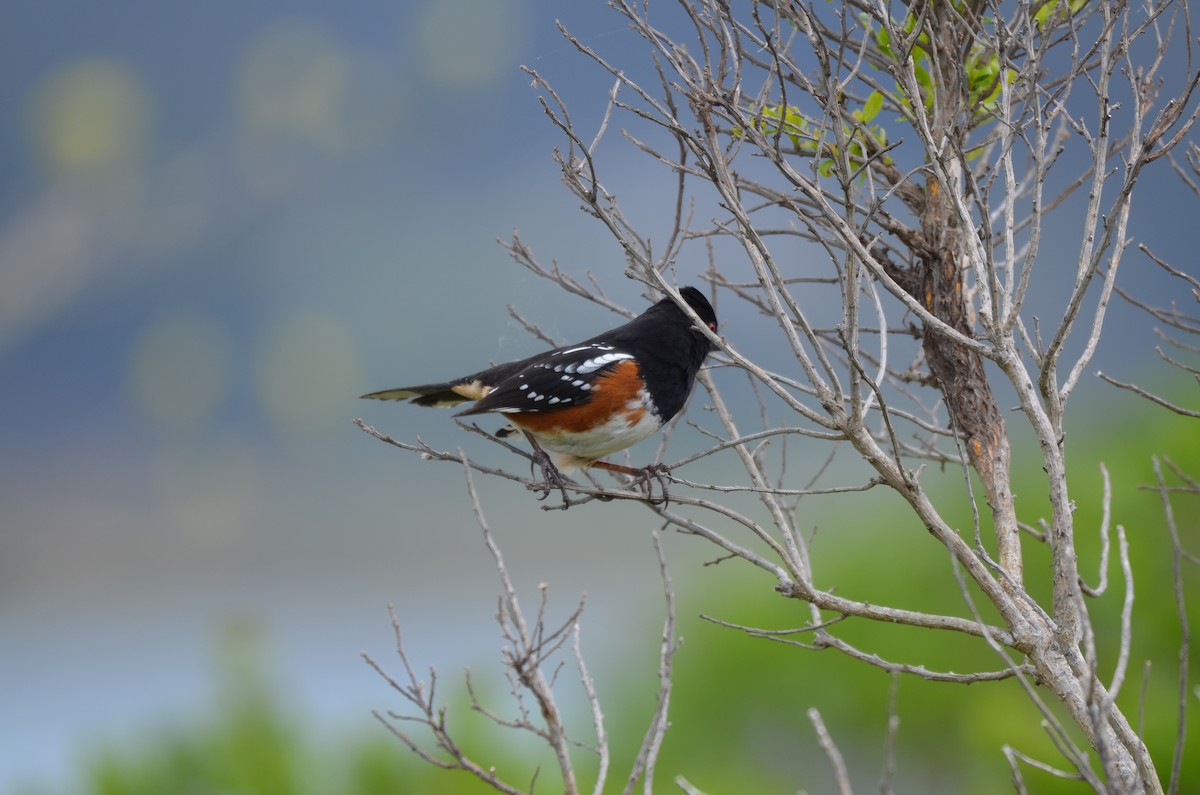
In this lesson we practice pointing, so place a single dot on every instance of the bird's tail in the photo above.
(450, 393)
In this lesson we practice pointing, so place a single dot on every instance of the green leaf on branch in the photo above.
(986, 76)
(809, 138)
(871, 107)
(1051, 12)
(794, 126)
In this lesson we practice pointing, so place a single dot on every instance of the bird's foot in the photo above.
(660, 473)
(646, 476)
(551, 478)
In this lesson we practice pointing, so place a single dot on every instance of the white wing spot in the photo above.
(577, 382)
(570, 368)
(596, 362)
(523, 386)
(593, 347)
(555, 400)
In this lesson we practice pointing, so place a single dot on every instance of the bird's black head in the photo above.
(696, 300)
(670, 348)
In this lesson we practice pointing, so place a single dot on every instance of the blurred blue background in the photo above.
(219, 224)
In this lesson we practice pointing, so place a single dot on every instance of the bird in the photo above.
(579, 403)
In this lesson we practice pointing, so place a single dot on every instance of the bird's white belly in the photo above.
(574, 449)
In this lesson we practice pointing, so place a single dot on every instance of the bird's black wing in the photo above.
(551, 381)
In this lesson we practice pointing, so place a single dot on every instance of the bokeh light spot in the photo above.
(298, 83)
(90, 116)
(44, 260)
(290, 82)
(308, 368)
(469, 44)
(180, 370)
(304, 96)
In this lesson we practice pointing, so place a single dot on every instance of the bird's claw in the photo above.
(656, 472)
(551, 478)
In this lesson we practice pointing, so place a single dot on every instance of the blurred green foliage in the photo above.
(253, 745)
(739, 719)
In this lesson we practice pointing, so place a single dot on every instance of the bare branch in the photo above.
(1137, 390)
(841, 774)
(1105, 519)
(431, 717)
(643, 765)
(887, 781)
(1185, 640)
(589, 689)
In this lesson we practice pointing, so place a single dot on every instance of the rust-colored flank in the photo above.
(611, 394)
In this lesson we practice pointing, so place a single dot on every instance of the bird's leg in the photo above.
(658, 472)
(550, 474)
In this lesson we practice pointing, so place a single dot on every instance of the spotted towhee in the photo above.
(582, 402)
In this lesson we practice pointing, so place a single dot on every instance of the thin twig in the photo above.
(840, 773)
